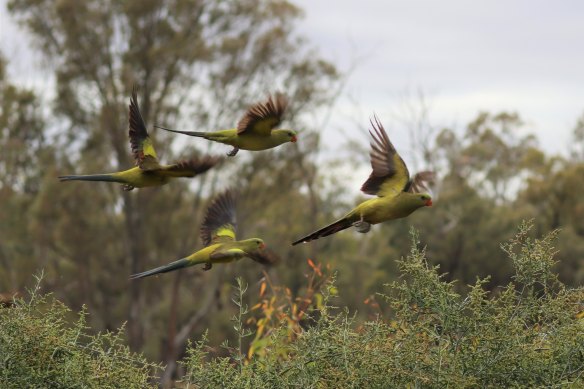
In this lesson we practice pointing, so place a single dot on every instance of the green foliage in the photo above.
(525, 334)
(39, 348)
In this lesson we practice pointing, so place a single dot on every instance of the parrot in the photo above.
(256, 129)
(220, 245)
(148, 172)
(398, 194)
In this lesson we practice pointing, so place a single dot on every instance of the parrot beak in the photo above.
(293, 139)
(262, 246)
(429, 203)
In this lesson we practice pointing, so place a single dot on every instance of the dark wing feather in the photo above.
(220, 221)
(265, 256)
(190, 167)
(390, 174)
(420, 181)
(140, 142)
(262, 117)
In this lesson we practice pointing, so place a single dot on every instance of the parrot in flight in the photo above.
(256, 129)
(398, 194)
(219, 241)
(148, 172)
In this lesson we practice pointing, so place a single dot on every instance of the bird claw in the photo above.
(127, 187)
(233, 152)
(207, 266)
(362, 226)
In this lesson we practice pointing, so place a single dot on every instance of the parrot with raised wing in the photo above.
(398, 194)
(219, 241)
(256, 129)
(148, 172)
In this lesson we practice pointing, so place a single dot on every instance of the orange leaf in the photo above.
(262, 289)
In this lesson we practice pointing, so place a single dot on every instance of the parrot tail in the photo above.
(332, 228)
(199, 134)
(91, 177)
(179, 264)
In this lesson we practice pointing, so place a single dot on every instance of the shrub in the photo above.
(525, 334)
(40, 349)
(529, 333)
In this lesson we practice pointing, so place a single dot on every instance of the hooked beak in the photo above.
(429, 203)
(262, 246)
(293, 139)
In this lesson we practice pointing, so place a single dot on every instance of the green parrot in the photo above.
(398, 194)
(256, 129)
(148, 172)
(219, 241)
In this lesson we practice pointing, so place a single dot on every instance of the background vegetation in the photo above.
(198, 65)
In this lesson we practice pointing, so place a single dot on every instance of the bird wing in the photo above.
(231, 253)
(220, 221)
(264, 256)
(262, 117)
(420, 181)
(390, 174)
(140, 142)
(190, 167)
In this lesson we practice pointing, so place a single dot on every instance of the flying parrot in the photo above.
(219, 241)
(148, 172)
(398, 195)
(256, 129)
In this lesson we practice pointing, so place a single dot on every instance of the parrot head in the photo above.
(285, 135)
(426, 199)
(254, 244)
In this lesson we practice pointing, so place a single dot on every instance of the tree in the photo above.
(23, 159)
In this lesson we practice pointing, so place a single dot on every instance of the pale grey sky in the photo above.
(467, 56)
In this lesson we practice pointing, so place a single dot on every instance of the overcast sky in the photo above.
(467, 56)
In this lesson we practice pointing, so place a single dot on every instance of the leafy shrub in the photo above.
(529, 333)
(40, 349)
(525, 334)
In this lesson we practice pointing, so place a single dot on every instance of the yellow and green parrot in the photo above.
(256, 129)
(219, 241)
(148, 172)
(398, 195)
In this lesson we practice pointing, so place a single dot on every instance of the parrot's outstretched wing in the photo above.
(390, 174)
(420, 181)
(220, 221)
(227, 254)
(140, 142)
(190, 167)
(262, 117)
(264, 256)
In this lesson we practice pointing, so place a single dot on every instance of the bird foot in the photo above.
(362, 226)
(207, 266)
(233, 152)
(127, 187)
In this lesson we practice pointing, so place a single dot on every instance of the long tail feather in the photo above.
(91, 177)
(191, 133)
(332, 228)
(163, 269)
